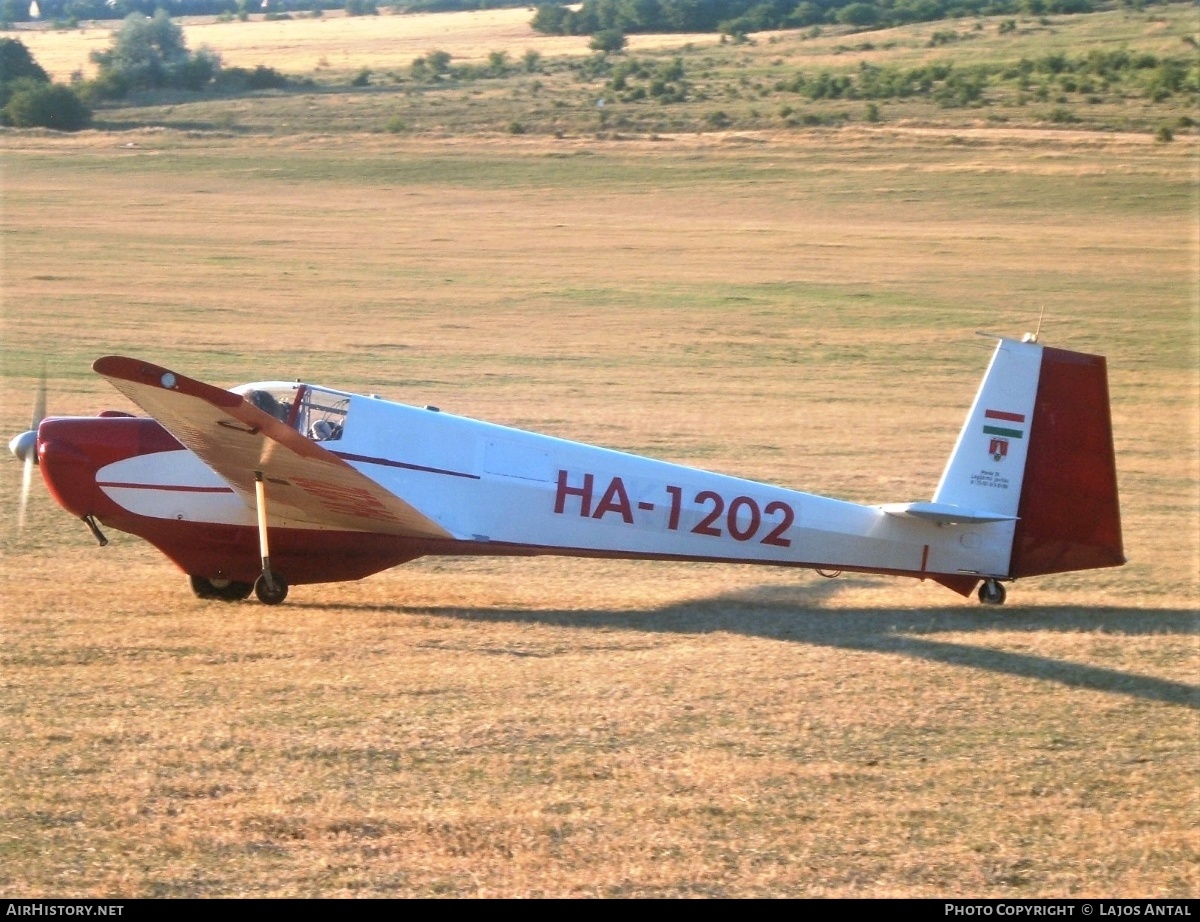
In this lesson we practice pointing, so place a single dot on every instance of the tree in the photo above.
(859, 14)
(805, 14)
(13, 11)
(552, 19)
(152, 53)
(16, 62)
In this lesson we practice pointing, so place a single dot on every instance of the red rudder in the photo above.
(1069, 513)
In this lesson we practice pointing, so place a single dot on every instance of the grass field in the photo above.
(772, 304)
(340, 43)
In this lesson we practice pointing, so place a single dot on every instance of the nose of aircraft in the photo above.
(24, 446)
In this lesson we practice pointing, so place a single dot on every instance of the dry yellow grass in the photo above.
(772, 306)
(453, 730)
(301, 46)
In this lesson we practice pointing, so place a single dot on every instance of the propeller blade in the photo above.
(39, 402)
(26, 484)
(24, 446)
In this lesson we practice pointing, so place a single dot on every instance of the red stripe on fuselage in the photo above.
(171, 488)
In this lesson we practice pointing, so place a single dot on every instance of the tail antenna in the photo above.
(1033, 337)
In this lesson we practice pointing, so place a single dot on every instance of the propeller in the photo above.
(24, 446)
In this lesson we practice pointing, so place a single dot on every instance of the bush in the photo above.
(29, 100)
(497, 63)
(200, 69)
(46, 105)
(431, 66)
(106, 85)
(243, 78)
(608, 41)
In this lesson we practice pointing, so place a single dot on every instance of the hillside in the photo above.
(1117, 70)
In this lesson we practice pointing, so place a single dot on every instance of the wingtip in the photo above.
(102, 364)
(122, 366)
(136, 371)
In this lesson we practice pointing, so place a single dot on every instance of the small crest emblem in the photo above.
(1002, 425)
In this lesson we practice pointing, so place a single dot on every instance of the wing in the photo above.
(304, 481)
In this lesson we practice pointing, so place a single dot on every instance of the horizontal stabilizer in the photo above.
(946, 513)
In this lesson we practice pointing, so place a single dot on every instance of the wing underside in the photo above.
(304, 481)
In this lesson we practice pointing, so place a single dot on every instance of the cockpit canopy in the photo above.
(315, 412)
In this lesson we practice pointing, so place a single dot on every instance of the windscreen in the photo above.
(315, 412)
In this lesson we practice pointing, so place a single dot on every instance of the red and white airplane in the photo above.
(275, 484)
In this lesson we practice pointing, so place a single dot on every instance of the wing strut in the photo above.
(269, 588)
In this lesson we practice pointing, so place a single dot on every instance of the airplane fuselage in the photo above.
(496, 490)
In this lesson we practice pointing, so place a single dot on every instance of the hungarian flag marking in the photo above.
(994, 424)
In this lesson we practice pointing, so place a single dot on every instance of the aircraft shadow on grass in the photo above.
(794, 614)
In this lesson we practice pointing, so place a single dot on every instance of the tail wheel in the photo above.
(992, 592)
(226, 590)
(268, 595)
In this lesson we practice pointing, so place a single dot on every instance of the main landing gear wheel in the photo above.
(266, 594)
(992, 593)
(227, 590)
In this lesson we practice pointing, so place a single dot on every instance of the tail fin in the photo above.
(986, 471)
(1037, 447)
